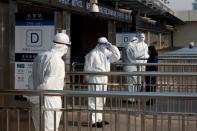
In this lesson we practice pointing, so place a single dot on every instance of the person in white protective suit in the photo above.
(48, 74)
(98, 60)
(142, 47)
(191, 45)
(131, 56)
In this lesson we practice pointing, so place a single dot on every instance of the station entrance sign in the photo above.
(33, 34)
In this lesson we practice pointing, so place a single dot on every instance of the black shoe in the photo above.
(129, 102)
(20, 98)
(124, 101)
(105, 122)
(98, 125)
(150, 102)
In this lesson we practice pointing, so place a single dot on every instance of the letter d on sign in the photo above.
(34, 37)
(126, 39)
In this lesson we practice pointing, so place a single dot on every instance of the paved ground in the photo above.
(134, 120)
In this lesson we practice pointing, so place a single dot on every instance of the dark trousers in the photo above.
(150, 84)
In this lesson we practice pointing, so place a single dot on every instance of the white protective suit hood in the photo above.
(134, 40)
(61, 42)
(103, 40)
(191, 45)
(103, 43)
(141, 37)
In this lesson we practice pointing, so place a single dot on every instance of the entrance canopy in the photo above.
(144, 6)
(151, 9)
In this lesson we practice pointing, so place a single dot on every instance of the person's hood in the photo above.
(134, 39)
(133, 43)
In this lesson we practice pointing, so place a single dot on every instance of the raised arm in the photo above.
(115, 53)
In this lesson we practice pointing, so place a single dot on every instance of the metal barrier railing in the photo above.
(166, 66)
(178, 60)
(178, 55)
(169, 111)
(1, 76)
(162, 81)
(162, 67)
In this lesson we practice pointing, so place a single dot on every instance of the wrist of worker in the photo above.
(110, 46)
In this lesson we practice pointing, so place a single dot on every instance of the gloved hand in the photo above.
(109, 45)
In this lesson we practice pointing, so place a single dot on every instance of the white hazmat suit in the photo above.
(48, 74)
(132, 54)
(142, 47)
(98, 60)
(191, 45)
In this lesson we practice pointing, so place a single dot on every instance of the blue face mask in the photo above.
(102, 46)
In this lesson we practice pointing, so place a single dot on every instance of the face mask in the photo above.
(141, 39)
(103, 47)
(66, 50)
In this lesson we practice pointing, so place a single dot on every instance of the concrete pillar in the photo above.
(148, 37)
(62, 21)
(7, 24)
(159, 46)
(4, 49)
(66, 24)
(112, 31)
(12, 11)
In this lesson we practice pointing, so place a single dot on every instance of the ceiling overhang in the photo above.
(153, 8)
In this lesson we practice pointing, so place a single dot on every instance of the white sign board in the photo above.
(33, 34)
(33, 39)
(122, 39)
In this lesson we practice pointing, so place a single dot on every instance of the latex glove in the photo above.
(109, 45)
